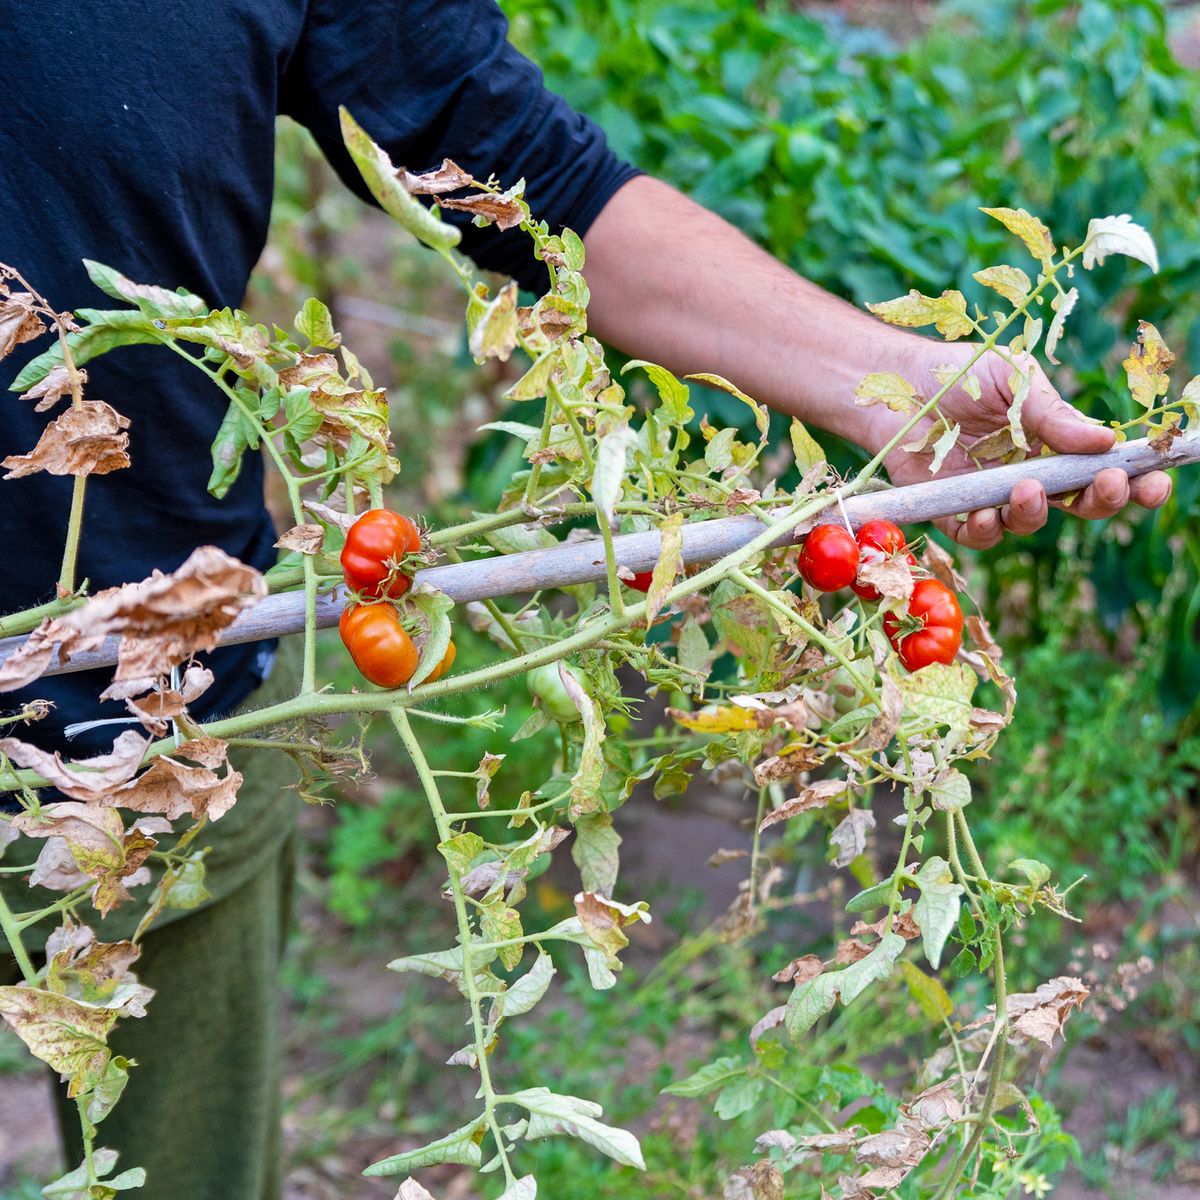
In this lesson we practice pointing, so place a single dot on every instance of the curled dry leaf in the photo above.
(93, 778)
(502, 208)
(304, 539)
(33, 656)
(173, 789)
(889, 575)
(158, 708)
(53, 388)
(850, 837)
(1041, 1015)
(818, 795)
(941, 566)
(786, 766)
(449, 177)
(331, 516)
(18, 320)
(87, 440)
(800, 970)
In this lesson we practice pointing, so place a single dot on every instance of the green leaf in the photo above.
(551, 1114)
(816, 998)
(105, 331)
(708, 1078)
(739, 1097)
(874, 897)
(151, 300)
(460, 1147)
(673, 394)
(929, 994)
(525, 992)
(315, 323)
(393, 197)
(936, 909)
(1031, 869)
(236, 435)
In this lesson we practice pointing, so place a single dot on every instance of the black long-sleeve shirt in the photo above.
(141, 134)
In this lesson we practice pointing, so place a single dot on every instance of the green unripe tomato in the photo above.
(548, 690)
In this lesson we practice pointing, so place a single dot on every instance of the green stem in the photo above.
(66, 576)
(12, 932)
(465, 934)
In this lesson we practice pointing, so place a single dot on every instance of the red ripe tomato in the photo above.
(375, 546)
(380, 646)
(641, 582)
(876, 540)
(937, 608)
(829, 558)
(444, 666)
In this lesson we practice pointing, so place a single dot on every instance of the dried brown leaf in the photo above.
(304, 539)
(87, 440)
(18, 322)
(53, 388)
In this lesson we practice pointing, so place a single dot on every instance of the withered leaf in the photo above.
(33, 656)
(18, 321)
(818, 795)
(157, 708)
(70, 1037)
(800, 970)
(173, 789)
(786, 766)
(304, 539)
(449, 177)
(53, 388)
(95, 777)
(503, 209)
(87, 440)
(1041, 1015)
(850, 837)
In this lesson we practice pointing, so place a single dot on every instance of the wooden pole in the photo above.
(703, 542)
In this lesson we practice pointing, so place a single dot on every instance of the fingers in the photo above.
(1152, 490)
(1027, 508)
(1053, 421)
(1106, 495)
(980, 531)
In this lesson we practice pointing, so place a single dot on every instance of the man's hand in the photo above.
(1047, 419)
(676, 284)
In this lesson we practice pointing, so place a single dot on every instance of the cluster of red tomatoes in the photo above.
(372, 561)
(830, 560)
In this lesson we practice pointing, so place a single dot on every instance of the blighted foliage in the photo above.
(808, 706)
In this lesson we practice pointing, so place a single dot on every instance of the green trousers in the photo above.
(201, 1112)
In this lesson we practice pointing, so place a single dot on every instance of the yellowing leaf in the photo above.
(726, 719)
(1011, 282)
(947, 312)
(1147, 366)
(929, 994)
(1063, 305)
(886, 387)
(806, 448)
(761, 417)
(1028, 228)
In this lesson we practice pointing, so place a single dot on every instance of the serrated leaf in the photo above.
(1028, 228)
(314, 323)
(708, 1078)
(150, 299)
(673, 394)
(1011, 282)
(816, 998)
(947, 312)
(761, 417)
(1118, 235)
(460, 1147)
(886, 387)
(595, 852)
(551, 1114)
(739, 1097)
(105, 330)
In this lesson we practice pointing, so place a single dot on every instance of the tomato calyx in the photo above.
(382, 551)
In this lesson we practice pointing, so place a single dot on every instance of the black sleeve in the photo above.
(434, 79)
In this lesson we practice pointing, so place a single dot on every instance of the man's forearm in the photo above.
(676, 284)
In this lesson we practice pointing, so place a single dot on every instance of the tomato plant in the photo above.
(812, 717)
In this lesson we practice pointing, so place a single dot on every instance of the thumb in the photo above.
(1060, 426)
